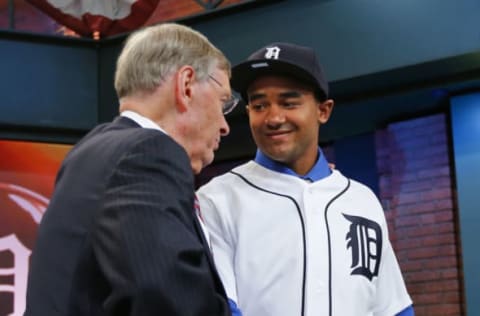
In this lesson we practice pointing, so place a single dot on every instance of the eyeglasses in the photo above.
(229, 104)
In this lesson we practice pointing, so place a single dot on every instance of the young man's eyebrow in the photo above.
(283, 95)
(290, 94)
(256, 96)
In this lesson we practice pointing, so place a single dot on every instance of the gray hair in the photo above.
(153, 53)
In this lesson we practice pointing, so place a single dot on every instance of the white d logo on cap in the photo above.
(272, 52)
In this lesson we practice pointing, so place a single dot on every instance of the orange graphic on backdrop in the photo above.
(27, 176)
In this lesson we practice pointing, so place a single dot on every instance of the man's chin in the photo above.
(208, 160)
(199, 164)
(276, 154)
(196, 169)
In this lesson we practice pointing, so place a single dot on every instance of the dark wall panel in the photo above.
(356, 158)
(106, 71)
(48, 84)
(354, 38)
(371, 51)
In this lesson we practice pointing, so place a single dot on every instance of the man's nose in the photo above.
(224, 128)
(275, 115)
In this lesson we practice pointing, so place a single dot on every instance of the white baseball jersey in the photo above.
(284, 246)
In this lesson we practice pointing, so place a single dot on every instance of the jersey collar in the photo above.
(319, 171)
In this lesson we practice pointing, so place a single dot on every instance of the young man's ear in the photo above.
(184, 79)
(325, 110)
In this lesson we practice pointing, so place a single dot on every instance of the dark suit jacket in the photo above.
(120, 236)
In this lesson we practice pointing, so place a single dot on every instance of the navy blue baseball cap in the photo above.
(285, 59)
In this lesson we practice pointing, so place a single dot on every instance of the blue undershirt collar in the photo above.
(319, 171)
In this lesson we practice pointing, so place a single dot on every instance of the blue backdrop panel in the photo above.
(466, 142)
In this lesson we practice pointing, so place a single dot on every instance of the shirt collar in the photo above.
(319, 171)
(142, 120)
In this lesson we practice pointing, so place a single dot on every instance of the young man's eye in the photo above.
(290, 104)
(257, 107)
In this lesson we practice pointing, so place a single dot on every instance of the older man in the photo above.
(120, 236)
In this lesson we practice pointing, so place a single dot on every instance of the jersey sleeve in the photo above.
(392, 295)
(219, 225)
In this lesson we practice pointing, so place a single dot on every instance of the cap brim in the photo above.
(245, 73)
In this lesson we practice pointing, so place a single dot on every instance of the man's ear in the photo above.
(184, 79)
(325, 110)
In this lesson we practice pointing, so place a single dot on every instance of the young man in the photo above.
(120, 236)
(289, 235)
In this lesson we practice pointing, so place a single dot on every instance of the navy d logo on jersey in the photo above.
(365, 240)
